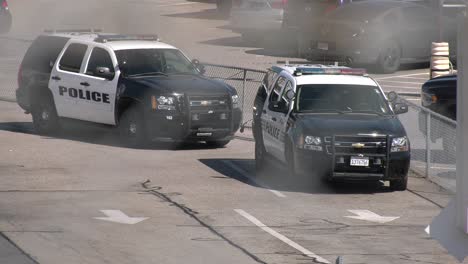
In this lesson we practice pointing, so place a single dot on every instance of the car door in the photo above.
(269, 118)
(280, 120)
(65, 80)
(419, 28)
(99, 97)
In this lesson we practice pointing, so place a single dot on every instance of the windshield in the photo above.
(320, 98)
(152, 61)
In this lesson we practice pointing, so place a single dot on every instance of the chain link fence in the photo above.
(433, 140)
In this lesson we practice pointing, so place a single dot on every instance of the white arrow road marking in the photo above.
(118, 216)
(428, 230)
(281, 237)
(367, 215)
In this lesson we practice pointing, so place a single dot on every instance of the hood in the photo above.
(349, 124)
(190, 85)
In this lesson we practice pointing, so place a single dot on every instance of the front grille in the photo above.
(209, 112)
(360, 145)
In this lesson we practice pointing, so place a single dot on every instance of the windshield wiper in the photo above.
(148, 74)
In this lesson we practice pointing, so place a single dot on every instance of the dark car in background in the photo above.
(5, 17)
(440, 95)
(382, 33)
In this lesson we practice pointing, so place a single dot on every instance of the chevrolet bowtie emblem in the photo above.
(205, 103)
(358, 145)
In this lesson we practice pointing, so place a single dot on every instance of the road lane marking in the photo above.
(401, 76)
(370, 216)
(281, 237)
(245, 174)
(120, 217)
(386, 81)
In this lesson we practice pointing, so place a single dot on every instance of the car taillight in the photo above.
(279, 4)
(5, 4)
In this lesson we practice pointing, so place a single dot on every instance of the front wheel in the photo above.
(44, 116)
(132, 129)
(399, 185)
(291, 161)
(390, 58)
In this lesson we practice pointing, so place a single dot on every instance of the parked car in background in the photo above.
(440, 95)
(383, 33)
(255, 18)
(5, 17)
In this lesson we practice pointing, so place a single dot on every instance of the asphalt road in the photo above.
(194, 204)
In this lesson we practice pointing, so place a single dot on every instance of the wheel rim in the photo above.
(44, 116)
(391, 57)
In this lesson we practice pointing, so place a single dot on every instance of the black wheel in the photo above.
(132, 128)
(260, 157)
(218, 143)
(390, 58)
(399, 185)
(291, 161)
(224, 7)
(44, 116)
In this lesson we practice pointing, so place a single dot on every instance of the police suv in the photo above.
(148, 89)
(330, 121)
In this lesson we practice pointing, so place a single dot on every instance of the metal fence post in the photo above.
(243, 94)
(428, 143)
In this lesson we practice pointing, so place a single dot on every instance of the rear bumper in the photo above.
(321, 164)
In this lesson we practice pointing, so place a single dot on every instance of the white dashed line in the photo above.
(246, 175)
(281, 237)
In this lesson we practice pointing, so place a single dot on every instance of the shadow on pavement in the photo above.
(208, 14)
(99, 135)
(275, 177)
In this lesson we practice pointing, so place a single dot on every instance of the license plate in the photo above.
(322, 46)
(204, 134)
(359, 162)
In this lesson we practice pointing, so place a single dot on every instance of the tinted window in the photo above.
(73, 57)
(277, 89)
(99, 58)
(43, 52)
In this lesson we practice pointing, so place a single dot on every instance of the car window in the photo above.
(269, 78)
(289, 86)
(73, 57)
(43, 52)
(275, 93)
(175, 62)
(99, 58)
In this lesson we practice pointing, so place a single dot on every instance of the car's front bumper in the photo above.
(172, 126)
(319, 163)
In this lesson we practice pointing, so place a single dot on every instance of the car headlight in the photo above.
(235, 101)
(312, 143)
(163, 102)
(400, 144)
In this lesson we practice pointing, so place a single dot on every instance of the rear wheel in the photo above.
(132, 129)
(399, 185)
(44, 116)
(390, 58)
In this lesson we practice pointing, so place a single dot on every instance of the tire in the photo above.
(132, 129)
(44, 116)
(389, 60)
(218, 143)
(399, 185)
(260, 157)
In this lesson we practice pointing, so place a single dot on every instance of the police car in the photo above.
(330, 121)
(148, 89)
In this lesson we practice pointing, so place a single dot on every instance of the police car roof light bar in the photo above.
(107, 38)
(330, 71)
(74, 30)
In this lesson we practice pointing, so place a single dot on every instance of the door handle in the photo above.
(84, 84)
(56, 78)
(273, 118)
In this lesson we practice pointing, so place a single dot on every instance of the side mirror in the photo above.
(279, 107)
(392, 96)
(199, 66)
(290, 95)
(399, 109)
(104, 72)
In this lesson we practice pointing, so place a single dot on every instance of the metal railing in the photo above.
(433, 144)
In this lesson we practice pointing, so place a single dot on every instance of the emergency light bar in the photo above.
(330, 71)
(107, 38)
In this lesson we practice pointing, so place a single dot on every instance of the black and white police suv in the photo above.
(148, 89)
(330, 121)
